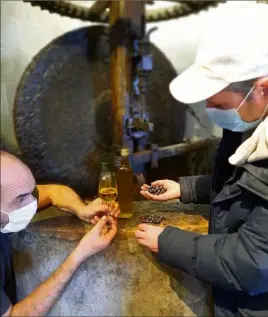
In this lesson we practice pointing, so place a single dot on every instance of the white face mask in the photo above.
(231, 120)
(19, 218)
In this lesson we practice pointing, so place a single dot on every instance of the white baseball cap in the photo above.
(233, 47)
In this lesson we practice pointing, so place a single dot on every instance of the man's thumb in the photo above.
(100, 225)
(158, 183)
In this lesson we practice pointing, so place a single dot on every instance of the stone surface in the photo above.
(124, 280)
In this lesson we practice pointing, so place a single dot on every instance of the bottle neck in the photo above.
(125, 161)
(104, 167)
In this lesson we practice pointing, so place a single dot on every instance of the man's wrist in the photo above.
(75, 206)
(78, 207)
(77, 258)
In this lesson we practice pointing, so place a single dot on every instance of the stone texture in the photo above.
(124, 280)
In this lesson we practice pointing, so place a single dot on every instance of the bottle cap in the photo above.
(125, 152)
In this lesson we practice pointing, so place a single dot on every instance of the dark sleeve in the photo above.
(36, 193)
(196, 189)
(4, 303)
(237, 261)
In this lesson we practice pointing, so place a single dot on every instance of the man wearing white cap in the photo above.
(231, 73)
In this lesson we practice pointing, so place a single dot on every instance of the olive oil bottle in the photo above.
(124, 177)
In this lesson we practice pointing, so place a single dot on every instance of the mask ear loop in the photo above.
(264, 111)
(245, 98)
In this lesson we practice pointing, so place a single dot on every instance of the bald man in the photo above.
(20, 198)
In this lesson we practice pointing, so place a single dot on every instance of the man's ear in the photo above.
(262, 86)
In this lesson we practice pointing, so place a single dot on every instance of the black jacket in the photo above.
(234, 256)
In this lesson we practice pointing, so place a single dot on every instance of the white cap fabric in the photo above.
(233, 48)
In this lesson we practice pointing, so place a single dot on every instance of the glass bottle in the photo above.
(104, 167)
(124, 176)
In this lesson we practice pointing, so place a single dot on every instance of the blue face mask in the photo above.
(231, 120)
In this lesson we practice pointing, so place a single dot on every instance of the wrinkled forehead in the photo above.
(16, 179)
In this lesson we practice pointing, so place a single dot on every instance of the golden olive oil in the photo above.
(108, 194)
(124, 178)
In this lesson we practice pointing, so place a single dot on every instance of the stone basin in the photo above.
(124, 280)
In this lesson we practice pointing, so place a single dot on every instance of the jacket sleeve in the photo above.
(4, 302)
(237, 261)
(196, 189)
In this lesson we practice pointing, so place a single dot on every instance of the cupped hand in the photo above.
(173, 190)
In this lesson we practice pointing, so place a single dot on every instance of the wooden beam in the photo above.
(173, 150)
(123, 16)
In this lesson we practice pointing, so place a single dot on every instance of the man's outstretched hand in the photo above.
(67, 199)
(173, 190)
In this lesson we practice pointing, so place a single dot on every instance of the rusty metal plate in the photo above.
(63, 108)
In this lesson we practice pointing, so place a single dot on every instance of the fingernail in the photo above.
(103, 218)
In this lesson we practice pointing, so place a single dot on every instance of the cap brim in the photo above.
(193, 86)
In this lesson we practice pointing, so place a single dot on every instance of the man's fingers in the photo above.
(104, 230)
(151, 196)
(139, 234)
(160, 182)
(147, 195)
(155, 197)
(116, 215)
(112, 230)
(162, 197)
(112, 209)
(100, 225)
(143, 193)
(110, 219)
(145, 187)
(142, 242)
(105, 206)
(95, 220)
(143, 227)
(112, 222)
(111, 233)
